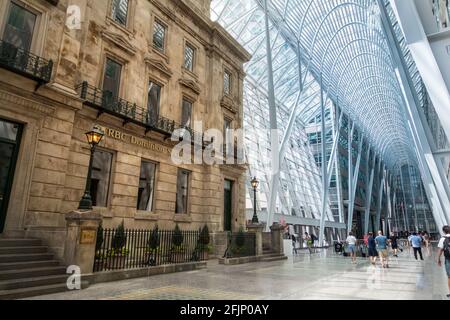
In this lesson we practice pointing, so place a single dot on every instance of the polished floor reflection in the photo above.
(323, 275)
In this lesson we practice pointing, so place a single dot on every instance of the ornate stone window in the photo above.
(111, 79)
(119, 11)
(189, 57)
(159, 36)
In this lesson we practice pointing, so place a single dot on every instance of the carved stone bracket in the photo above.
(228, 104)
(119, 41)
(159, 65)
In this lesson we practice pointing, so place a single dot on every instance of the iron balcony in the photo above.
(25, 63)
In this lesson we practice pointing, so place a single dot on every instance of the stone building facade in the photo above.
(137, 68)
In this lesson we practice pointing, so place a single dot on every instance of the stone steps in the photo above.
(27, 269)
(20, 242)
(31, 272)
(28, 264)
(4, 258)
(20, 250)
(37, 291)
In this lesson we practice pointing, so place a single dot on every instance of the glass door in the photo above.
(9, 148)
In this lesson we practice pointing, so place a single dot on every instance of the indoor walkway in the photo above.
(319, 276)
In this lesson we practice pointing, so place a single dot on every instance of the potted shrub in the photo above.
(177, 250)
(99, 257)
(118, 252)
(151, 254)
(203, 241)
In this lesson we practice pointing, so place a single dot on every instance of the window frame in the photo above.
(155, 183)
(122, 69)
(187, 206)
(156, 20)
(188, 44)
(230, 83)
(111, 178)
(40, 30)
(113, 18)
(187, 99)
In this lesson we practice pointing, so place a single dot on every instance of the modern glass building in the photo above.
(351, 63)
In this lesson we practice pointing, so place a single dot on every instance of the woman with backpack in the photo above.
(444, 248)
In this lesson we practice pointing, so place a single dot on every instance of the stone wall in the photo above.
(54, 155)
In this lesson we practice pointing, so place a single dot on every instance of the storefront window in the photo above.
(182, 191)
(101, 175)
(146, 186)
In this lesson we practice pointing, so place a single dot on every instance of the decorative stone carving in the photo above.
(190, 84)
(229, 104)
(119, 41)
(33, 105)
(159, 65)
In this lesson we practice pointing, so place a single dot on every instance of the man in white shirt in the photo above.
(351, 241)
(444, 248)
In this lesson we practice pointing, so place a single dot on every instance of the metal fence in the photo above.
(241, 245)
(131, 249)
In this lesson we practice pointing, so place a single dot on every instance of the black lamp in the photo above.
(255, 184)
(93, 137)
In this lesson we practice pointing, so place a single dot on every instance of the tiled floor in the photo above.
(319, 276)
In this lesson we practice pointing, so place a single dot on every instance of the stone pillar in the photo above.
(81, 239)
(277, 238)
(257, 229)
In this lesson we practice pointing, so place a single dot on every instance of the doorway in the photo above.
(228, 204)
(10, 134)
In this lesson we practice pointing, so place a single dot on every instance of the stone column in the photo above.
(81, 238)
(257, 229)
(277, 238)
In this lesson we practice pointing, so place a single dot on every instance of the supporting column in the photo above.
(81, 239)
(369, 196)
(257, 229)
(274, 143)
(325, 183)
(380, 199)
(350, 173)
(277, 238)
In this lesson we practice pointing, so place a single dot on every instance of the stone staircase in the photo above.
(269, 255)
(27, 269)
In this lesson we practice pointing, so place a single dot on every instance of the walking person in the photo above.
(381, 242)
(393, 239)
(444, 248)
(372, 248)
(351, 241)
(416, 243)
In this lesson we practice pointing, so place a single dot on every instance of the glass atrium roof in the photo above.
(340, 43)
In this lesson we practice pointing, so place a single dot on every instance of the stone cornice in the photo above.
(159, 65)
(27, 103)
(230, 42)
(229, 104)
(119, 41)
(190, 84)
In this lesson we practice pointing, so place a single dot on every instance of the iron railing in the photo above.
(241, 245)
(105, 101)
(25, 63)
(142, 248)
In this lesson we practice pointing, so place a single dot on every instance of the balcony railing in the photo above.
(104, 101)
(25, 63)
